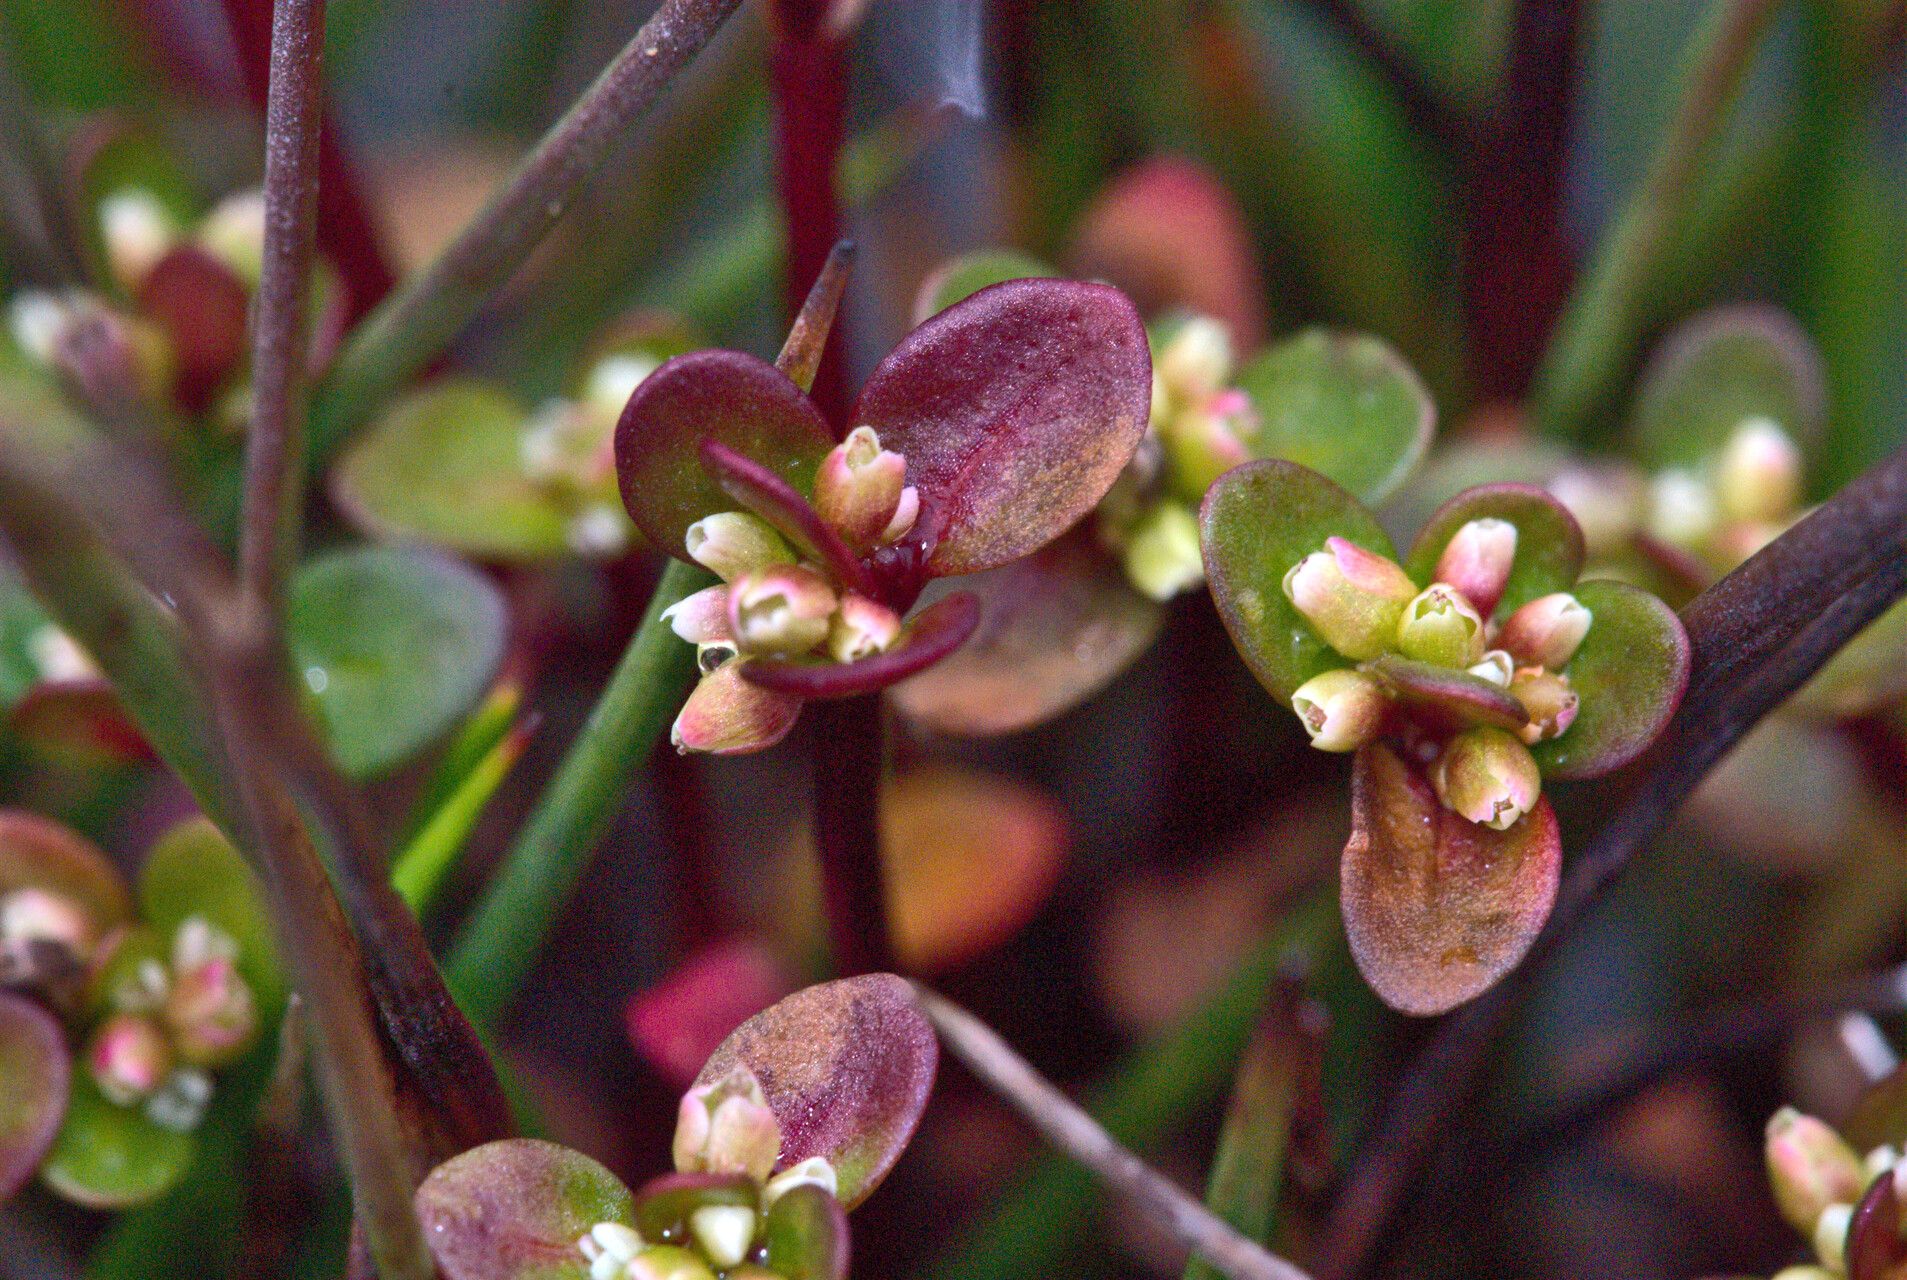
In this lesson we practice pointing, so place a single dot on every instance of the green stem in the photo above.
(1597, 338)
(498, 946)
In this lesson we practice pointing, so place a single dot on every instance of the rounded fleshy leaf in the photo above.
(112, 1157)
(203, 308)
(1629, 675)
(677, 1023)
(445, 465)
(34, 1070)
(1457, 696)
(515, 1209)
(962, 277)
(807, 1236)
(193, 870)
(1055, 628)
(1437, 908)
(1875, 1248)
(847, 1067)
(733, 399)
(37, 852)
(1170, 234)
(931, 635)
(396, 646)
(1718, 368)
(1257, 521)
(79, 722)
(1549, 543)
(1344, 404)
(1016, 410)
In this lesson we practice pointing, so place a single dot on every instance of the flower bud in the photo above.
(1682, 509)
(136, 231)
(614, 379)
(1161, 551)
(33, 916)
(1547, 631)
(37, 319)
(726, 715)
(667, 1262)
(1810, 1167)
(1206, 439)
(128, 1058)
(782, 609)
(701, 618)
(906, 512)
(210, 1013)
(1830, 1236)
(1607, 501)
(1758, 475)
(724, 1231)
(1341, 710)
(609, 1248)
(1196, 360)
(180, 1101)
(1806, 1272)
(1549, 701)
(858, 487)
(1496, 666)
(861, 628)
(234, 233)
(1477, 560)
(725, 1126)
(1350, 596)
(815, 1171)
(1442, 627)
(58, 656)
(1488, 777)
(732, 543)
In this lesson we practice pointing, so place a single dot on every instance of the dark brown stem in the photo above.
(847, 794)
(1758, 636)
(274, 449)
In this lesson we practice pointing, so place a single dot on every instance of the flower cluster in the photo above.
(1367, 609)
(1819, 1180)
(568, 452)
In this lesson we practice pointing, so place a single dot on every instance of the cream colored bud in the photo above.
(1477, 561)
(136, 231)
(1830, 1237)
(1683, 511)
(1549, 701)
(1206, 439)
(861, 628)
(1161, 551)
(1440, 626)
(701, 618)
(812, 1172)
(782, 609)
(1607, 501)
(1496, 666)
(1810, 1167)
(128, 1058)
(1350, 596)
(1341, 710)
(906, 512)
(1487, 776)
(1758, 475)
(726, 1126)
(234, 233)
(1547, 631)
(667, 1262)
(858, 487)
(614, 379)
(724, 1231)
(210, 1013)
(733, 543)
(33, 915)
(37, 320)
(609, 1248)
(1196, 360)
(180, 1101)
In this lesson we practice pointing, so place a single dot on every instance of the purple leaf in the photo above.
(1874, 1249)
(34, 1068)
(934, 632)
(1457, 696)
(847, 1067)
(1629, 673)
(1016, 410)
(794, 517)
(1549, 543)
(1437, 908)
(725, 396)
(514, 1210)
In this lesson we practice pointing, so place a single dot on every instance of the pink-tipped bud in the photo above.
(1440, 626)
(726, 715)
(906, 512)
(128, 1058)
(1196, 360)
(1547, 631)
(726, 1126)
(1341, 710)
(861, 628)
(1205, 439)
(858, 487)
(782, 609)
(1810, 1167)
(1477, 560)
(32, 916)
(732, 543)
(1758, 475)
(1488, 777)
(1549, 701)
(701, 618)
(210, 1013)
(1350, 596)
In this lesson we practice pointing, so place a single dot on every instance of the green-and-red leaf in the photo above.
(1549, 543)
(807, 1232)
(34, 1069)
(1718, 368)
(1629, 675)
(514, 1210)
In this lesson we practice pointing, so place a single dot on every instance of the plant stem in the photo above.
(809, 69)
(274, 447)
(415, 324)
(1758, 636)
(1075, 1132)
(1598, 335)
(498, 945)
(848, 763)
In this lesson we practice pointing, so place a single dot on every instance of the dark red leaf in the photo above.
(934, 632)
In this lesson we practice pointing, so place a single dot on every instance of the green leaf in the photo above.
(34, 1069)
(112, 1157)
(846, 1067)
(1259, 520)
(1718, 368)
(961, 278)
(396, 646)
(1346, 405)
(194, 871)
(515, 1209)
(1549, 543)
(807, 1232)
(445, 465)
(1437, 908)
(1629, 675)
